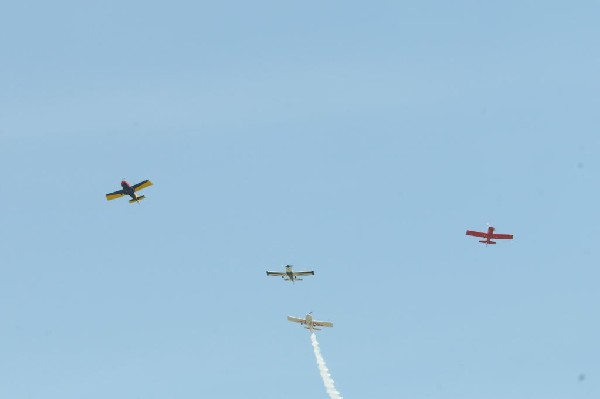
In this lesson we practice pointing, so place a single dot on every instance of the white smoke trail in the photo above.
(327, 380)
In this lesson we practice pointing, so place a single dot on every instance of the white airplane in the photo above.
(290, 275)
(309, 323)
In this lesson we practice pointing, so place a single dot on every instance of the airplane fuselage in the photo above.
(488, 239)
(289, 273)
(309, 321)
(129, 190)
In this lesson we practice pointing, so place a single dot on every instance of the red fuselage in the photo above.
(490, 232)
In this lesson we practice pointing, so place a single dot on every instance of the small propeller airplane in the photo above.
(489, 236)
(309, 323)
(130, 190)
(290, 275)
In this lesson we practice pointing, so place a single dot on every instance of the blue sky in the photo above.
(357, 139)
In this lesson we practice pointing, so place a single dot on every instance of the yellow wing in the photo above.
(116, 194)
(142, 185)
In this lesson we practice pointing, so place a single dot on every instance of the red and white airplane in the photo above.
(489, 236)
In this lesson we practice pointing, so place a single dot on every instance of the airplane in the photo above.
(309, 323)
(130, 190)
(489, 236)
(290, 275)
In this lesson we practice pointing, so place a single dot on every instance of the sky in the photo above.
(357, 139)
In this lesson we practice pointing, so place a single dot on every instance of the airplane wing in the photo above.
(311, 273)
(476, 234)
(116, 194)
(322, 323)
(296, 320)
(275, 274)
(502, 236)
(141, 185)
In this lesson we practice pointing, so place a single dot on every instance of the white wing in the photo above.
(322, 323)
(296, 320)
(275, 274)
(311, 273)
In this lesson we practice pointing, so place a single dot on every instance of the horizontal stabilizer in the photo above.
(131, 201)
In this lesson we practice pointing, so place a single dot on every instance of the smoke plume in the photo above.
(327, 380)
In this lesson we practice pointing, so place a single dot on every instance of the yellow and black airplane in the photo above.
(130, 190)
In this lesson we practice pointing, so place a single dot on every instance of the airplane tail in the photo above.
(487, 242)
(131, 201)
(314, 328)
